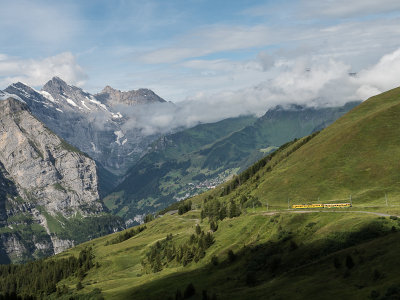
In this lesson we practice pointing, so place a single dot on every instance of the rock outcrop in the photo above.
(44, 183)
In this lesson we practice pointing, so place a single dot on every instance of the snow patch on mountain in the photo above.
(93, 100)
(5, 95)
(84, 105)
(70, 102)
(118, 115)
(47, 95)
(119, 134)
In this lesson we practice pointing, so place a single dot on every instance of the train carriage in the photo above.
(330, 205)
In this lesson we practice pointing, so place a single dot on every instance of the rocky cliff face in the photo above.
(91, 124)
(44, 183)
(46, 168)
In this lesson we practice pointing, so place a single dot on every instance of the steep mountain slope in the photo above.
(183, 164)
(45, 185)
(356, 156)
(85, 122)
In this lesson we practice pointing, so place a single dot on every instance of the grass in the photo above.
(120, 275)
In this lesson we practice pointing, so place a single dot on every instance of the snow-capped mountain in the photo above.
(90, 123)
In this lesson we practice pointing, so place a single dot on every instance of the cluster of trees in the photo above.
(39, 278)
(82, 228)
(184, 207)
(166, 251)
(148, 218)
(123, 236)
(190, 291)
(215, 210)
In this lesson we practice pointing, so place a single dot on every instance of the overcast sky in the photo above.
(223, 53)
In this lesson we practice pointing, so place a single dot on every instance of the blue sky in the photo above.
(203, 50)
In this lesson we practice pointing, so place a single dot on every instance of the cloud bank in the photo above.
(305, 81)
(36, 72)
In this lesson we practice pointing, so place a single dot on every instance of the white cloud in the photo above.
(37, 72)
(310, 81)
(380, 77)
(210, 39)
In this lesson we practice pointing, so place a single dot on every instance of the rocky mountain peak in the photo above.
(55, 82)
(113, 96)
(109, 89)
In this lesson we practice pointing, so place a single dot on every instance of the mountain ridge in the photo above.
(113, 97)
(85, 122)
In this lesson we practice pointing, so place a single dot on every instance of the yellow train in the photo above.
(321, 205)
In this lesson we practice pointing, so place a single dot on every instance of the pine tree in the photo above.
(349, 262)
(178, 295)
(198, 229)
(189, 291)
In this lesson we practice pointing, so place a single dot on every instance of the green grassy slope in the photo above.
(281, 255)
(357, 155)
(191, 161)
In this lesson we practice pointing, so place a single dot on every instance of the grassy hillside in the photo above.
(356, 156)
(281, 254)
(192, 161)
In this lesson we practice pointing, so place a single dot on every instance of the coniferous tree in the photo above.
(189, 291)
(349, 262)
(231, 256)
(213, 226)
(198, 229)
(178, 295)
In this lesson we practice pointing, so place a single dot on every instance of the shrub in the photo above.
(214, 260)
(231, 256)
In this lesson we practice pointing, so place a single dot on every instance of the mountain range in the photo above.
(242, 239)
(90, 122)
(132, 173)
